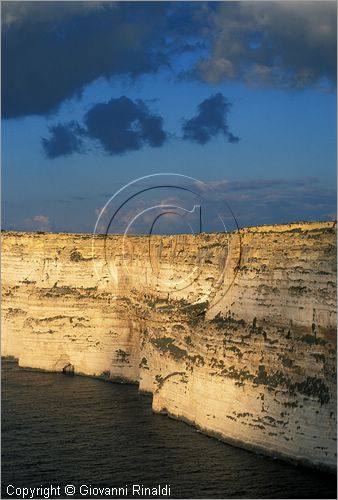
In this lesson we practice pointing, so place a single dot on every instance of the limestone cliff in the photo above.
(235, 333)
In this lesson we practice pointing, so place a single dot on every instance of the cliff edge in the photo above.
(233, 333)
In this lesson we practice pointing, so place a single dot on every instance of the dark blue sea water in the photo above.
(60, 430)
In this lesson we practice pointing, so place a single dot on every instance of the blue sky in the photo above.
(239, 95)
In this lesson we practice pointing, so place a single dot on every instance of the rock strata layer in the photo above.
(235, 334)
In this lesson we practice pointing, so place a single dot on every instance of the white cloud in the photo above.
(36, 223)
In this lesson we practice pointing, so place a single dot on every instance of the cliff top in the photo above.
(265, 228)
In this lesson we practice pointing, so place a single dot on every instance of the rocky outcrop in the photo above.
(235, 334)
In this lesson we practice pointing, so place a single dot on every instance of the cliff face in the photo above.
(235, 334)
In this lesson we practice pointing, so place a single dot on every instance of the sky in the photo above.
(236, 100)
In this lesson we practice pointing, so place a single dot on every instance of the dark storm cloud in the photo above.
(122, 125)
(52, 50)
(210, 121)
(65, 139)
(119, 125)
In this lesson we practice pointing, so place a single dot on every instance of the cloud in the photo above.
(283, 44)
(244, 202)
(225, 186)
(118, 126)
(52, 50)
(253, 202)
(36, 223)
(64, 140)
(210, 121)
(271, 201)
(122, 125)
(22, 12)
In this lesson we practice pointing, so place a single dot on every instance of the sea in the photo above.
(79, 437)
